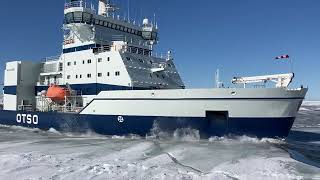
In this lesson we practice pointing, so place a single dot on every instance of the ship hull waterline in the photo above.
(209, 126)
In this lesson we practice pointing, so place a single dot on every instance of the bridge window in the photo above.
(69, 18)
(87, 18)
(77, 17)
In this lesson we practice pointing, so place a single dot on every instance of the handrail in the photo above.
(81, 4)
(52, 58)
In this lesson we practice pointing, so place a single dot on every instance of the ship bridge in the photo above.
(83, 27)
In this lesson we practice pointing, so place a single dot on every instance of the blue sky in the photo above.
(241, 37)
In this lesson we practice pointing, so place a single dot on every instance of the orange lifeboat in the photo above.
(57, 93)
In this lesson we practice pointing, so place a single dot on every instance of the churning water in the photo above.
(36, 154)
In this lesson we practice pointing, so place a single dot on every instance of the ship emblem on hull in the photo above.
(120, 119)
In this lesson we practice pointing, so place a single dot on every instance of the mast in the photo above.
(106, 8)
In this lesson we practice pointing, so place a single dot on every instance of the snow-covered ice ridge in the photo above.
(311, 103)
(35, 154)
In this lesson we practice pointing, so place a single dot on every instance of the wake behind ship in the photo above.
(109, 80)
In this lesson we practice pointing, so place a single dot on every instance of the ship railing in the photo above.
(25, 108)
(101, 49)
(50, 59)
(81, 4)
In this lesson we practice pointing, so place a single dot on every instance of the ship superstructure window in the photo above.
(83, 62)
(88, 75)
(74, 63)
(99, 59)
(128, 59)
(60, 67)
(77, 17)
(69, 63)
(68, 77)
(89, 61)
(99, 74)
(108, 59)
(87, 18)
(108, 74)
(77, 76)
(117, 73)
(80, 76)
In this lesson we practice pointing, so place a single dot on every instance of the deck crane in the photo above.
(281, 80)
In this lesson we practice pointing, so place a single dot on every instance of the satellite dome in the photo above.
(145, 21)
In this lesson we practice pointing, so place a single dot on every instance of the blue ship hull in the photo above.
(144, 125)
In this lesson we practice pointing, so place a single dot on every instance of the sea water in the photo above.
(35, 154)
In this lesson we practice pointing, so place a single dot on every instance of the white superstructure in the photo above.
(101, 52)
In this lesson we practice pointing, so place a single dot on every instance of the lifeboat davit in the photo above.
(57, 93)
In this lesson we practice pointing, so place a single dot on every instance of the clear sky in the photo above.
(241, 37)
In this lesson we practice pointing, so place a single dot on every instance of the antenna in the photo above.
(218, 83)
(154, 19)
(129, 11)
(217, 78)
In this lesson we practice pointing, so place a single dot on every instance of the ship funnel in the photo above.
(102, 8)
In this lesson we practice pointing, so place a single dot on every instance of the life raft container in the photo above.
(57, 93)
